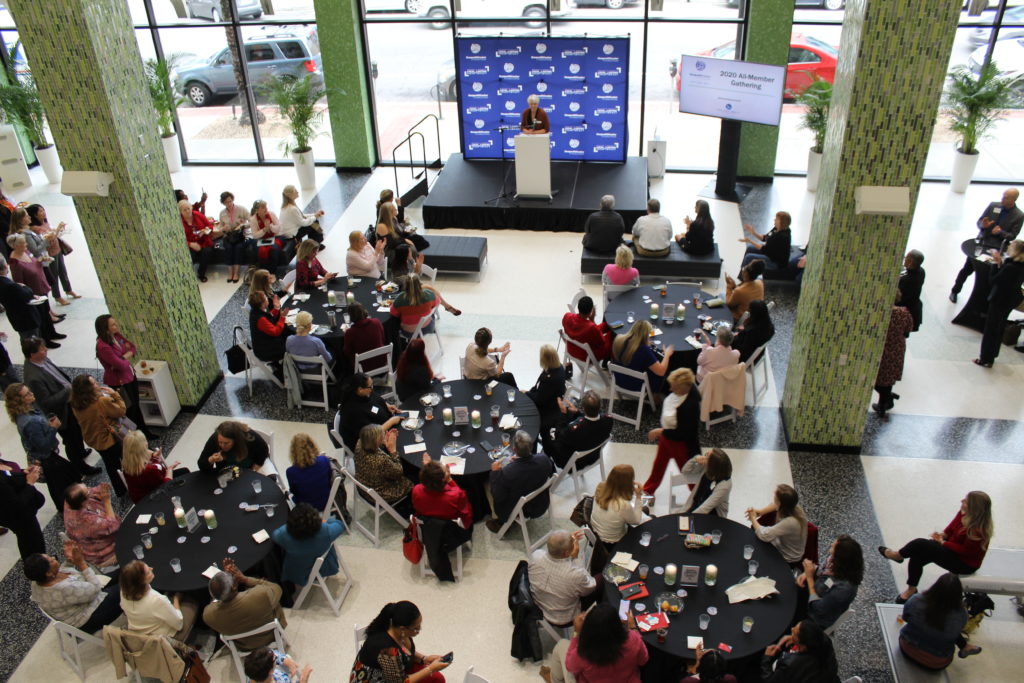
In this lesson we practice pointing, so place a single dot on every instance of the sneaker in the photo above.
(966, 652)
(952, 297)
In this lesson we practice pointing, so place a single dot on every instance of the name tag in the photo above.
(375, 410)
(828, 583)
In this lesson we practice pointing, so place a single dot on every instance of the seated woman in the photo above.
(789, 532)
(388, 655)
(234, 223)
(296, 225)
(199, 235)
(304, 538)
(413, 376)
(233, 444)
(144, 470)
(479, 364)
(960, 548)
(405, 231)
(387, 230)
(265, 665)
(438, 497)
(302, 343)
(831, 591)
(265, 228)
(360, 407)
(90, 521)
(366, 334)
(633, 350)
(678, 436)
(617, 505)
(933, 624)
(310, 476)
(708, 667)
(309, 273)
(379, 467)
(267, 283)
(148, 611)
(268, 328)
(361, 259)
(414, 303)
(622, 271)
(806, 654)
(757, 330)
(549, 389)
(773, 246)
(604, 649)
(711, 494)
(408, 263)
(750, 288)
(699, 238)
(717, 356)
(71, 592)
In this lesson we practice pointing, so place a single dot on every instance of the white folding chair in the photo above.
(585, 366)
(730, 412)
(758, 359)
(269, 467)
(610, 292)
(124, 481)
(280, 643)
(428, 274)
(853, 679)
(252, 362)
(315, 579)
(425, 569)
(70, 638)
(577, 474)
(639, 394)
(419, 334)
(675, 504)
(289, 278)
(380, 373)
(845, 616)
(576, 299)
(474, 677)
(517, 516)
(296, 377)
(335, 431)
(332, 506)
(688, 283)
(380, 508)
(360, 632)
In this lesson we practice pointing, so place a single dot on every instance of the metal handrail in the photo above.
(412, 168)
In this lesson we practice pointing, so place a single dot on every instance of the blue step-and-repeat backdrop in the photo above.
(582, 83)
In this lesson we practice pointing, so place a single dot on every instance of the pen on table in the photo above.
(661, 538)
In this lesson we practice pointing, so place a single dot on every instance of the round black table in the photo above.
(674, 334)
(235, 527)
(975, 309)
(478, 463)
(772, 615)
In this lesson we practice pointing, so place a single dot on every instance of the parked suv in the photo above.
(266, 56)
(210, 9)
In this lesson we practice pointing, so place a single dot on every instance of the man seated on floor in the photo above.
(522, 474)
(580, 327)
(717, 357)
(557, 582)
(653, 232)
(233, 611)
(602, 233)
(584, 432)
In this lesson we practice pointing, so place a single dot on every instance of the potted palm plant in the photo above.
(817, 98)
(20, 103)
(974, 101)
(296, 100)
(166, 101)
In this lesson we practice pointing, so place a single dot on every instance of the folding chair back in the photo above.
(418, 333)
(585, 365)
(428, 274)
(758, 360)
(572, 470)
(845, 616)
(280, 644)
(296, 377)
(380, 508)
(70, 638)
(474, 677)
(517, 516)
(731, 410)
(251, 361)
(379, 373)
(611, 292)
(360, 633)
(316, 579)
(332, 505)
(425, 569)
(640, 395)
(576, 299)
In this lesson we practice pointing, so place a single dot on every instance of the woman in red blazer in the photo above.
(116, 355)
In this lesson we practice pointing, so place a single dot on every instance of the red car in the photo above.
(809, 59)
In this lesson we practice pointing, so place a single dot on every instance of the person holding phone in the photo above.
(388, 655)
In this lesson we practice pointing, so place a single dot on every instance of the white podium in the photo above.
(533, 166)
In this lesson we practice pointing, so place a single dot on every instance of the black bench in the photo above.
(677, 264)
(454, 254)
(773, 272)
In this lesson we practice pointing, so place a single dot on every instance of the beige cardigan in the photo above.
(722, 388)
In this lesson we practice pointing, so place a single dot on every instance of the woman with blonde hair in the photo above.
(379, 467)
(310, 476)
(309, 272)
(549, 389)
(622, 271)
(296, 225)
(788, 533)
(302, 343)
(264, 228)
(960, 548)
(678, 436)
(617, 505)
(414, 303)
(144, 469)
(634, 351)
(478, 364)
(26, 269)
(361, 259)
(387, 229)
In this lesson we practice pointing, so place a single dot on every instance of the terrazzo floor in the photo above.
(956, 428)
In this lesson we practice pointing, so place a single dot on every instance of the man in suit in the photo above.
(52, 388)
(27, 319)
(998, 225)
(19, 503)
(584, 432)
(910, 285)
(524, 472)
(602, 233)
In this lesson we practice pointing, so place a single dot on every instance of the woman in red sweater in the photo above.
(960, 548)
(438, 496)
(144, 470)
(199, 235)
(309, 273)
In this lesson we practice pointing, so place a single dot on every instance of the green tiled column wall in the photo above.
(86, 61)
(878, 132)
(341, 47)
(769, 26)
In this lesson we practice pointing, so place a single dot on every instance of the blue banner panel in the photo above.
(582, 83)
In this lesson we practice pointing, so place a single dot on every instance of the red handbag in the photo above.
(412, 546)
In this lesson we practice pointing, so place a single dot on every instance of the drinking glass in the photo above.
(703, 621)
(716, 536)
(418, 435)
(138, 552)
(257, 486)
(270, 510)
(752, 567)
(447, 389)
(346, 318)
(644, 569)
(748, 623)
(645, 539)
(630, 317)
(511, 395)
(495, 415)
(147, 541)
(506, 439)
(175, 502)
(175, 565)
(159, 517)
(428, 413)
(748, 552)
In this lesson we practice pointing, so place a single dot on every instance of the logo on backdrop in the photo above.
(574, 143)
(605, 125)
(608, 48)
(541, 48)
(479, 123)
(509, 67)
(607, 88)
(701, 65)
(542, 87)
(574, 106)
(477, 86)
(574, 68)
(509, 105)
(475, 48)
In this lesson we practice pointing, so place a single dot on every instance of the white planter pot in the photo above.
(813, 170)
(50, 163)
(963, 170)
(172, 153)
(305, 169)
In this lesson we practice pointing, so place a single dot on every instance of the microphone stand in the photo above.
(503, 193)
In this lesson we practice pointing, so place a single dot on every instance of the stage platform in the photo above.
(459, 197)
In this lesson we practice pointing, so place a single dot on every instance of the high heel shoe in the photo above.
(74, 295)
(63, 302)
(454, 311)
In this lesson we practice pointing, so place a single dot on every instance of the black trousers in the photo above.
(107, 611)
(134, 411)
(992, 335)
(112, 463)
(924, 551)
(71, 434)
(202, 257)
(25, 526)
(885, 401)
(309, 232)
(59, 474)
(962, 276)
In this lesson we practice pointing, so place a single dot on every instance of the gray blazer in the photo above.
(51, 397)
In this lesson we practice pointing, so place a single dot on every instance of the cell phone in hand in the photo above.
(448, 658)
(617, 324)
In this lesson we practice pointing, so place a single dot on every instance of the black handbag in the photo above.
(581, 513)
(236, 354)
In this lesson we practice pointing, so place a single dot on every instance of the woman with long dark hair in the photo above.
(933, 624)
(360, 407)
(98, 409)
(116, 354)
(388, 655)
(414, 374)
(788, 533)
(757, 330)
(750, 288)
(699, 238)
(805, 655)
(708, 667)
(478, 363)
(603, 650)
(234, 221)
(711, 494)
(832, 587)
(233, 444)
(57, 272)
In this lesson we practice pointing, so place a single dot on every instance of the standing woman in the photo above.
(55, 246)
(39, 439)
(679, 435)
(890, 368)
(960, 548)
(116, 354)
(97, 410)
(699, 238)
(789, 533)
(388, 655)
(1003, 296)
(264, 229)
(28, 270)
(711, 494)
(234, 220)
(295, 224)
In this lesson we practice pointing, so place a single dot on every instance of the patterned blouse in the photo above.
(281, 674)
(72, 600)
(91, 529)
(382, 660)
(382, 471)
